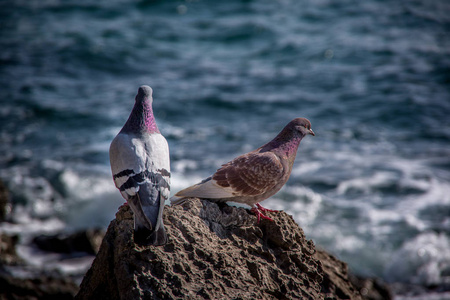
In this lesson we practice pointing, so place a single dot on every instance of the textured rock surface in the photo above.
(336, 280)
(214, 253)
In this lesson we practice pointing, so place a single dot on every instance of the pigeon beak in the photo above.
(311, 132)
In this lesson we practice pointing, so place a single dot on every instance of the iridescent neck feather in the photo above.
(141, 119)
(285, 143)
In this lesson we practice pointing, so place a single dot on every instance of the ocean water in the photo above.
(373, 77)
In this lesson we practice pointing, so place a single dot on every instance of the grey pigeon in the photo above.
(140, 165)
(254, 176)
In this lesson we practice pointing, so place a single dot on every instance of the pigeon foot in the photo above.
(264, 209)
(125, 204)
(259, 214)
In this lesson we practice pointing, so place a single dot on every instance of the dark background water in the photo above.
(373, 185)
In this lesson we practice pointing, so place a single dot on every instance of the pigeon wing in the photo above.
(251, 174)
(141, 171)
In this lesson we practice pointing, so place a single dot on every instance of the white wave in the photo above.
(93, 199)
(54, 261)
(173, 131)
(25, 225)
(85, 187)
(304, 204)
(37, 193)
(378, 216)
(305, 168)
(428, 296)
(437, 193)
(366, 184)
(423, 260)
(180, 181)
(182, 165)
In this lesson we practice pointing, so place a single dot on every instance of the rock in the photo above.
(372, 288)
(5, 204)
(336, 281)
(83, 241)
(18, 281)
(40, 286)
(214, 252)
(8, 255)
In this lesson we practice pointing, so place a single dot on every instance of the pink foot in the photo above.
(264, 209)
(125, 204)
(260, 214)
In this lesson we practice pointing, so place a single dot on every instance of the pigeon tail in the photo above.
(144, 232)
(145, 237)
(175, 200)
(158, 237)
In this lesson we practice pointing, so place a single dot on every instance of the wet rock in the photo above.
(214, 252)
(36, 286)
(18, 281)
(5, 204)
(404, 290)
(84, 241)
(372, 288)
(8, 255)
(336, 281)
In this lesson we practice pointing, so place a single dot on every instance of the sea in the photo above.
(373, 77)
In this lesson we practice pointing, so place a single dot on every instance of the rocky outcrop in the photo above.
(5, 204)
(8, 254)
(36, 285)
(82, 241)
(372, 288)
(336, 280)
(215, 252)
(21, 281)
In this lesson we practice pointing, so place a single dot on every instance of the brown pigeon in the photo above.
(254, 176)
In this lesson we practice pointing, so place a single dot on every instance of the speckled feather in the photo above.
(254, 176)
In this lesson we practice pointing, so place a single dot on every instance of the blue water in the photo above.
(373, 77)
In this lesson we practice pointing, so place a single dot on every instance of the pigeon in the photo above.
(254, 176)
(140, 165)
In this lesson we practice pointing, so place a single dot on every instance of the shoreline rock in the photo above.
(215, 248)
(88, 241)
(8, 254)
(5, 203)
(18, 280)
(35, 284)
(215, 252)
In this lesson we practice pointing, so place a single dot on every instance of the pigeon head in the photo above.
(141, 118)
(301, 125)
(287, 141)
(144, 94)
